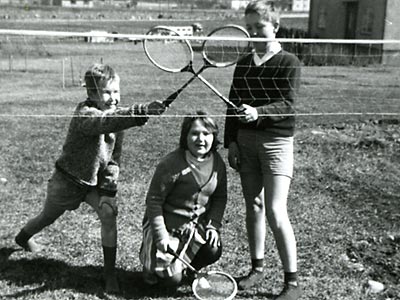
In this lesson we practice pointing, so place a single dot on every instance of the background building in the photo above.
(357, 19)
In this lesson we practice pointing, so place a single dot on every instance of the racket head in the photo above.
(171, 55)
(214, 285)
(224, 53)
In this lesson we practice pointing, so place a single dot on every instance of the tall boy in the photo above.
(88, 168)
(260, 143)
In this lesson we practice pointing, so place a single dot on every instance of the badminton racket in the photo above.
(211, 285)
(176, 55)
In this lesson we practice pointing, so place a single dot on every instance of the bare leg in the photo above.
(255, 225)
(35, 225)
(276, 192)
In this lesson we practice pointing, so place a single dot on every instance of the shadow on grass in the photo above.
(34, 275)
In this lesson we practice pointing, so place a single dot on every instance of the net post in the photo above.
(10, 63)
(72, 71)
(63, 73)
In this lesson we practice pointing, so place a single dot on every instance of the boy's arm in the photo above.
(93, 121)
(160, 186)
(231, 121)
(108, 179)
(218, 198)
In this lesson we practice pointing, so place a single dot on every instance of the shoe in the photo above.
(29, 245)
(149, 278)
(253, 278)
(290, 292)
(111, 284)
(188, 277)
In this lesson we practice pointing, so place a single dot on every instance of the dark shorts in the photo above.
(64, 194)
(265, 153)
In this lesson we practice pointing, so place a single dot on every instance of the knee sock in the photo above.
(110, 254)
(257, 264)
(22, 238)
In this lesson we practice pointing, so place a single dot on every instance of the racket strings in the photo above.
(225, 51)
(169, 54)
(216, 286)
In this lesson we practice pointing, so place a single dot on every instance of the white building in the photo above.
(77, 3)
(239, 4)
(301, 5)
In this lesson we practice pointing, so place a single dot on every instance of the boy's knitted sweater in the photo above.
(175, 198)
(92, 149)
(270, 88)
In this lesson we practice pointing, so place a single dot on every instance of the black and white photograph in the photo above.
(200, 149)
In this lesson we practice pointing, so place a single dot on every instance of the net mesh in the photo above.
(337, 79)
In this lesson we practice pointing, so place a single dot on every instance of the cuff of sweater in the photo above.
(105, 192)
(140, 111)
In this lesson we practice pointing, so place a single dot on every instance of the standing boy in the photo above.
(260, 142)
(88, 168)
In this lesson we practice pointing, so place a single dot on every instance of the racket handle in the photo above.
(167, 102)
(216, 92)
(174, 254)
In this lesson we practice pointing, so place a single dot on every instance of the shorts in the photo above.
(265, 153)
(63, 194)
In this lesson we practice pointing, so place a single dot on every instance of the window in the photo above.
(367, 23)
(322, 17)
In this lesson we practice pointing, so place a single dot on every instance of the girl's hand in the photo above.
(163, 245)
(247, 113)
(234, 156)
(212, 237)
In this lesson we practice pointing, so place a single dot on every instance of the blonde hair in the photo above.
(265, 9)
(97, 76)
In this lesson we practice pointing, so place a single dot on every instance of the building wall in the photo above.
(328, 18)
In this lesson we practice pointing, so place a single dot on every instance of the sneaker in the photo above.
(29, 245)
(111, 284)
(251, 279)
(188, 276)
(290, 292)
(149, 278)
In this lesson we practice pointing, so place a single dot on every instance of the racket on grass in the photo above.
(211, 285)
(175, 55)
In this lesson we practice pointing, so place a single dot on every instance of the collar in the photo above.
(272, 49)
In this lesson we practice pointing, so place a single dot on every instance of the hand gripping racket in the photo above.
(212, 285)
(176, 55)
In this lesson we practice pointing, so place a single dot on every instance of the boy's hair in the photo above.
(265, 9)
(97, 76)
(208, 122)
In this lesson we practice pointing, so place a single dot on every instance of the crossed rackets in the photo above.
(176, 55)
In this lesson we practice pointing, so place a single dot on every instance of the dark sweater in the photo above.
(175, 198)
(91, 153)
(271, 89)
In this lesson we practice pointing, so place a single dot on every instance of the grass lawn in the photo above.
(343, 203)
